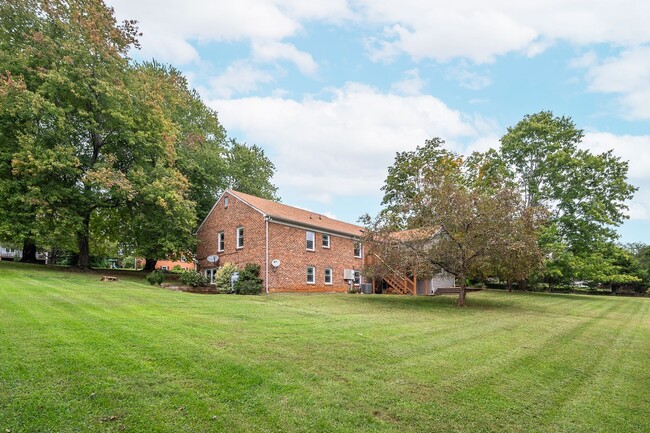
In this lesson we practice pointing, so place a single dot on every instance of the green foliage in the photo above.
(193, 278)
(467, 218)
(250, 171)
(249, 282)
(586, 193)
(95, 149)
(156, 278)
(222, 278)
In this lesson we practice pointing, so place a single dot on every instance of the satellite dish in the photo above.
(275, 263)
(213, 259)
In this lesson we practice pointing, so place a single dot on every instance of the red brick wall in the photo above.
(286, 244)
(237, 214)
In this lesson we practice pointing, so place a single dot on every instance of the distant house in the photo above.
(10, 253)
(297, 250)
(168, 265)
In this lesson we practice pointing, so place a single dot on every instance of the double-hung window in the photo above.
(357, 277)
(310, 236)
(311, 275)
(357, 249)
(328, 275)
(326, 241)
(221, 241)
(240, 237)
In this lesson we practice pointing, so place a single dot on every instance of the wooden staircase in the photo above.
(397, 283)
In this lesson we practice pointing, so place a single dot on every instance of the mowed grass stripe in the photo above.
(89, 356)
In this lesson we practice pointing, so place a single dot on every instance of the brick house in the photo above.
(297, 250)
(168, 265)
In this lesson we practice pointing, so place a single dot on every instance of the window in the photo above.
(357, 278)
(326, 241)
(310, 241)
(209, 274)
(164, 268)
(311, 275)
(240, 237)
(225, 202)
(357, 249)
(183, 259)
(220, 241)
(328, 275)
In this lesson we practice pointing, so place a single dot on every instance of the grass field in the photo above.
(78, 355)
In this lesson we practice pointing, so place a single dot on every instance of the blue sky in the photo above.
(331, 90)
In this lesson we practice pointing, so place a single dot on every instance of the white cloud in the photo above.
(627, 75)
(434, 29)
(411, 85)
(169, 26)
(480, 31)
(466, 78)
(268, 51)
(341, 146)
(240, 77)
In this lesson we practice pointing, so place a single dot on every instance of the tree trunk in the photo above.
(463, 292)
(83, 242)
(29, 252)
(150, 265)
(522, 284)
(509, 285)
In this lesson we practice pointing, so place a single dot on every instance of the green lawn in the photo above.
(78, 355)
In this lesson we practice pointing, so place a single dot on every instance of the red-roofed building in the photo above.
(297, 250)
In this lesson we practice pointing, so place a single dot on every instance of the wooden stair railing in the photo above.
(397, 282)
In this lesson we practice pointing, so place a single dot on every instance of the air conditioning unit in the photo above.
(348, 274)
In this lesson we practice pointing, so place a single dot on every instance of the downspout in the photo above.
(266, 280)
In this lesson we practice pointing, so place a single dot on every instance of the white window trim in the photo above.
(313, 240)
(313, 275)
(357, 275)
(360, 250)
(164, 268)
(329, 240)
(225, 202)
(331, 276)
(221, 239)
(242, 238)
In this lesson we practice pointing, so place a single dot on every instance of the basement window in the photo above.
(328, 276)
(311, 275)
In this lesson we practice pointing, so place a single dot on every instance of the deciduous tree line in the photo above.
(539, 209)
(98, 151)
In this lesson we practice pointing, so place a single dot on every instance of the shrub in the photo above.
(192, 278)
(354, 289)
(249, 282)
(177, 269)
(222, 278)
(156, 277)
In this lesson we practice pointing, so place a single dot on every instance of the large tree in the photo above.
(90, 134)
(586, 193)
(460, 222)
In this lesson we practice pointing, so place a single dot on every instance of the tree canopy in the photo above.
(460, 222)
(93, 143)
